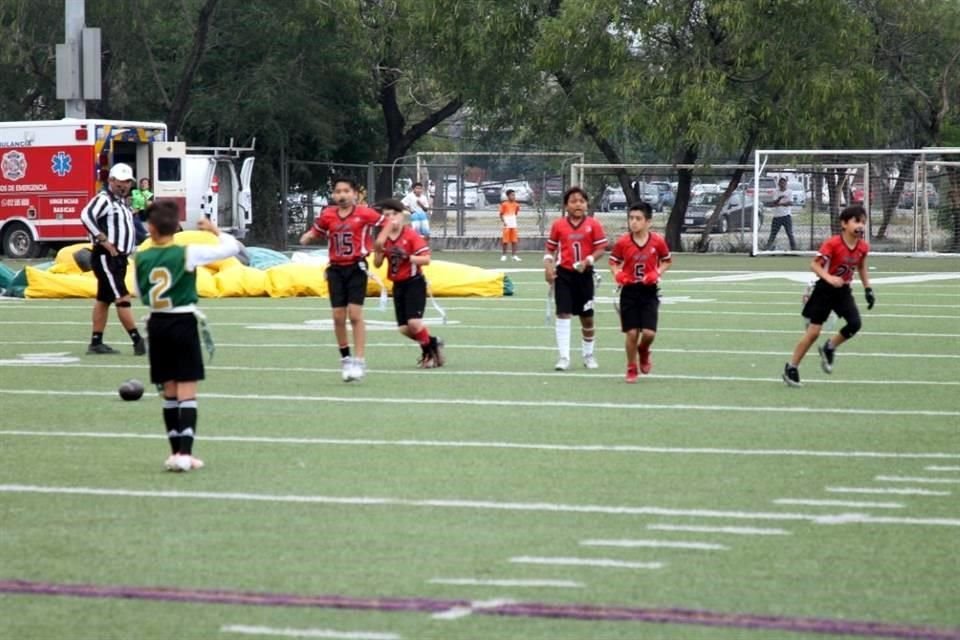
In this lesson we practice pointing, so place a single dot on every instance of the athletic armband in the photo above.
(548, 257)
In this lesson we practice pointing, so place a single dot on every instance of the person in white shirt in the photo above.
(418, 204)
(782, 200)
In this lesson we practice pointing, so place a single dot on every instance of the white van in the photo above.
(215, 187)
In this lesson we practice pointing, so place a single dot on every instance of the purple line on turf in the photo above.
(522, 609)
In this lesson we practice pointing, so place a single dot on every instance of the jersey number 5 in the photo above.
(161, 279)
(343, 243)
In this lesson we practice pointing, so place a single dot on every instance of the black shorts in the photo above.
(573, 292)
(409, 299)
(111, 272)
(639, 307)
(174, 348)
(347, 283)
(826, 298)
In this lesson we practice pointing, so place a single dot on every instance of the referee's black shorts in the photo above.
(826, 298)
(573, 292)
(111, 273)
(347, 283)
(409, 299)
(174, 348)
(639, 307)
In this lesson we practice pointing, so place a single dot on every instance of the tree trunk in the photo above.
(704, 244)
(400, 139)
(684, 182)
(892, 198)
(181, 100)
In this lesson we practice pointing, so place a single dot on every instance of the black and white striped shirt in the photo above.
(107, 214)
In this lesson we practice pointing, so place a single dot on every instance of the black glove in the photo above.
(871, 299)
(398, 253)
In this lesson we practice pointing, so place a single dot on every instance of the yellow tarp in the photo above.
(230, 278)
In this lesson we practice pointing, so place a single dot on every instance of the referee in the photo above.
(109, 221)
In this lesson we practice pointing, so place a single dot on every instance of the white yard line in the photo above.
(839, 503)
(917, 480)
(655, 544)
(523, 584)
(249, 630)
(492, 505)
(934, 468)
(739, 531)
(905, 491)
(479, 444)
(367, 400)
(455, 613)
(137, 365)
(605, 563)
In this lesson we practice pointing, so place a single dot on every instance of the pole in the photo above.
(74, 15)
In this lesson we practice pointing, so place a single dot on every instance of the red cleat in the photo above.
(646, 363)
(631, 376)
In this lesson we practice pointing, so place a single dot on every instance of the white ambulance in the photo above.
(50, 169)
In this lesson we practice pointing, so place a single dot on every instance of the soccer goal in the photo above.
(904, 191)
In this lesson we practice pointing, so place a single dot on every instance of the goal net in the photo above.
(910, 197)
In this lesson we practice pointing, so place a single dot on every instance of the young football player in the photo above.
(580, 242)
(638, 260)
(509, 210)
(406, 253)
(167, 283)
(347, 226)
(838, 257)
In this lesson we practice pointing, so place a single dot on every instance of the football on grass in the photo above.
(131, 390)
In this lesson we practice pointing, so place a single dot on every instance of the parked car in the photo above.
(667, 196)
(906, 197)
(704, 187)
(522, 189)
(472, 195)
(768, 190)
(613, 199)
(737, 213)
(491, 191)
(554, 187)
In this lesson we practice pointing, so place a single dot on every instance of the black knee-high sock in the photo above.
(171, 420)
(188, 425)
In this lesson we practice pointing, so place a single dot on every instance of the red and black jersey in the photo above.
(349, 235)
(398, 251)
(840, 259)
(635, 259)
(575, 241)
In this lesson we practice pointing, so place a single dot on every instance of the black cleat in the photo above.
(436, 350)
(791, 376)
(100, 349)
(826, 357)
(140, 347)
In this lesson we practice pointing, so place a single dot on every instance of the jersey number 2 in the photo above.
(161, 279)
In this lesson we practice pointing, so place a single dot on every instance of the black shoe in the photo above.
(140, 347)
(100, 349)
(791, 376)
(826, 357)
(436, 350)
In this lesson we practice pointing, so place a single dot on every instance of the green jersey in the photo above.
(163, 279)
(140, 198)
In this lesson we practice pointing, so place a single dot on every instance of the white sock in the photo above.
(587, 347)
(563, 337)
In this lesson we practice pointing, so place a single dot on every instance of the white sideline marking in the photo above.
(918, 480)
(941, 468)
(839, 503)
(307, 633)
(888, 490)
(547, 507)
(607, 563)
(654, 544)
(478, 444)
(68, 363)
(741, 531)
(487, 347)
(455, 613)
(474, 582)
(516, 403)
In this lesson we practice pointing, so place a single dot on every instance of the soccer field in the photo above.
(496, 498)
